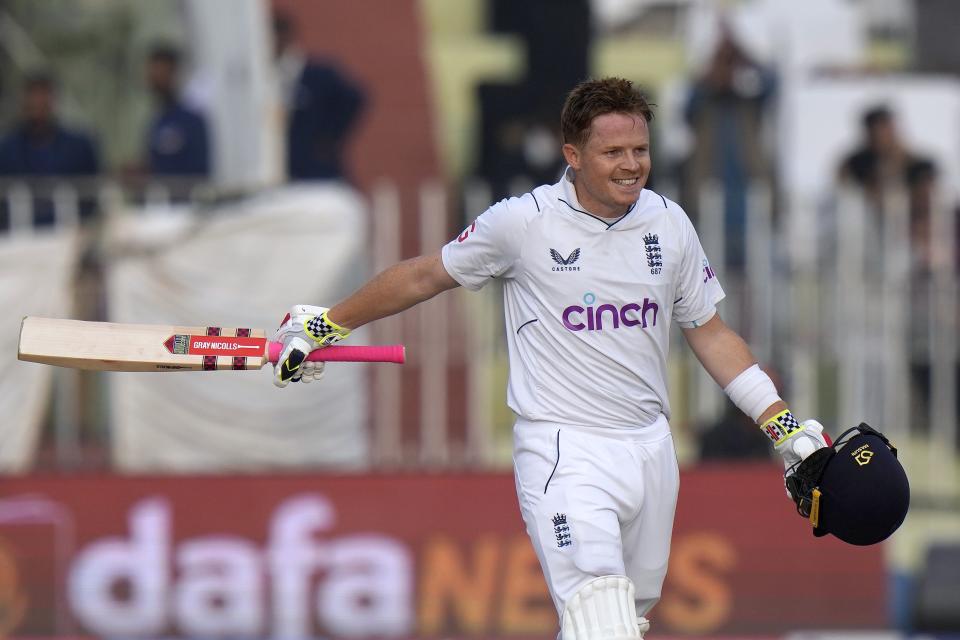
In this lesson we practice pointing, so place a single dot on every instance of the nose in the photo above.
(631, 163)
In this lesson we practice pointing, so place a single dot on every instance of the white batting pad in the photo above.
(604, 609)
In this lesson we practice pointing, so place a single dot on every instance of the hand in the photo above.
(801, 443)
(305, 329)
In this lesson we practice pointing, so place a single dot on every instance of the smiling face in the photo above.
(613, 165)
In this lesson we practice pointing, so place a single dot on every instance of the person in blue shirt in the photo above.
(40, 146)
(726, 109)
(177, 140)
(322, 107)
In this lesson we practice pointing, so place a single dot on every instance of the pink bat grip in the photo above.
(363, 353)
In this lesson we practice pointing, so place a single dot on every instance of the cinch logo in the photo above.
(577, 318)
(707, 271)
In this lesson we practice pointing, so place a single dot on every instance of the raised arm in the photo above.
(309, 327)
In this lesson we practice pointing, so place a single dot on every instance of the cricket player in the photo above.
(594, 269)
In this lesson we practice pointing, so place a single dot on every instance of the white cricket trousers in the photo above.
(598, 501)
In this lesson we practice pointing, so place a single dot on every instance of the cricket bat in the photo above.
(110, 346)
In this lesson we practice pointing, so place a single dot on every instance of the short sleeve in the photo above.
(698, 290)
(489, 247)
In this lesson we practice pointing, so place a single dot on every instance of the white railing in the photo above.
(823, 297)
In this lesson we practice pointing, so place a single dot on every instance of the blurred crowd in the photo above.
(321, 105)
(727, 109)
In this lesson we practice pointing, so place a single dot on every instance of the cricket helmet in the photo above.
(855, 489)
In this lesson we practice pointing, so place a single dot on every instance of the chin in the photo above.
(626, 200)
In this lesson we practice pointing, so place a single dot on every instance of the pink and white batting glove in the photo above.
(303, 330)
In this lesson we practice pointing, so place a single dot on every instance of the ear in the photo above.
(572, 155)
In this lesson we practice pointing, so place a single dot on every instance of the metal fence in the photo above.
(854, 308)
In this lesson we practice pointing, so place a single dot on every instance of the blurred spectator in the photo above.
(725, 110)
(177, 139)
(322, 105)
(922, 179)
(928, 256)
(880, 166)
(39, 145)
(882, 160)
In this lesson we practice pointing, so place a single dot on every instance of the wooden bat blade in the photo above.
(110, 346)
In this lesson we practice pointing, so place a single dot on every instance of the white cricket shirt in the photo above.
(588, 305)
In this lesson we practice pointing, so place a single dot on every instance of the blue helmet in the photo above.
(855, 489)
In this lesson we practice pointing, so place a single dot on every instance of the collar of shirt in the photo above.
(569, 194)
(570, 190)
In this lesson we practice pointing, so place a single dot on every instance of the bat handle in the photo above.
(360, 353)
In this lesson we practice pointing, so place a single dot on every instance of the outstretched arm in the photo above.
(308, 327)
(393, 290)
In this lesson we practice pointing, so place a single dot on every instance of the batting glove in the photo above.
(303, 330)
(793, 440)
(311, 371)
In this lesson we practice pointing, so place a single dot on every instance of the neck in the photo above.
(593, 207)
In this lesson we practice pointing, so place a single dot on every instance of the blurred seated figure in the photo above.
(882, 160)
(725, 110)
(322, 106)
(177, 139)
(40, 146)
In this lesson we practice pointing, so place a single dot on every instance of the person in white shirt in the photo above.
(594, 269)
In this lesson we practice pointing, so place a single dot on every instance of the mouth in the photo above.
(626, 182)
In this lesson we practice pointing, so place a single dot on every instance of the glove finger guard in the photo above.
(290, 361)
